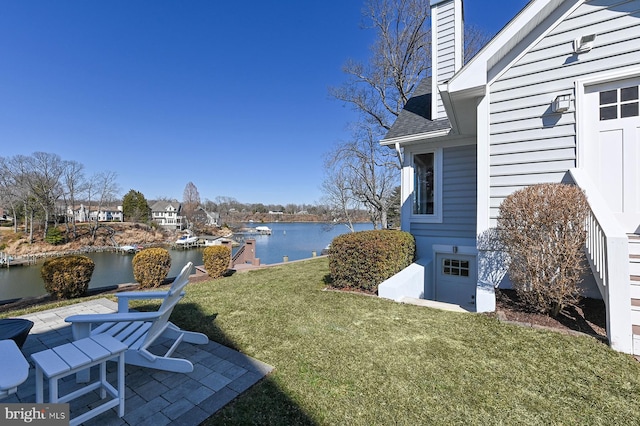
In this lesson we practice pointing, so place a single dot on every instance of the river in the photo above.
(294, 240)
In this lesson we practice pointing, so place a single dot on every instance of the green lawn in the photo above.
(353, 359)
(344, 358)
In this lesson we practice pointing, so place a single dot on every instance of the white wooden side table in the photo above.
(82, 354)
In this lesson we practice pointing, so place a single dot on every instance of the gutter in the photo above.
(403, 140)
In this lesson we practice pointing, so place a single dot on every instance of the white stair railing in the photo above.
(607, 249)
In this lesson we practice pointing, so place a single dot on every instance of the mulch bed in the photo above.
(589, 316)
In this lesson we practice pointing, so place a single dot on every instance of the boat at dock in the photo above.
(263, 230)
(185, 239)
(130, 248)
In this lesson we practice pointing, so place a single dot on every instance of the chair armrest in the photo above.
(116, 317)
(142, 294)
(123, 298)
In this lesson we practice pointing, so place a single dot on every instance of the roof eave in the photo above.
(408, 139)
(475, 72)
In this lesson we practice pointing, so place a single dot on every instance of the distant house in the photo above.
(203, 217)
(106, 214)
(167, 214)
(553, 97)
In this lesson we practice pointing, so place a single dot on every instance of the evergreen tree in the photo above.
(135, 207)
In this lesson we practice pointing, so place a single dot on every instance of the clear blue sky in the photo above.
(232, 96)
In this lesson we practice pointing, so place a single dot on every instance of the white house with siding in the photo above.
(553, 97)
(167, 214)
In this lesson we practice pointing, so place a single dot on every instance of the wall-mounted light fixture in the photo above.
(584, 43)
(561, 103)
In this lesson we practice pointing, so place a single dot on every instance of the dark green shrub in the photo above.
(363, 260)
(54, 236)
(151, 266)
(67, 277)
(216, 260)
(542, 228)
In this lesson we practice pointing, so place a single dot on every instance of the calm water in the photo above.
(295, 240)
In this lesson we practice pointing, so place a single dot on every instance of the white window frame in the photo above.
(436, 217)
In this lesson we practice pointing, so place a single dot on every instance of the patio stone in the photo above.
(215, 381)
(178, 408)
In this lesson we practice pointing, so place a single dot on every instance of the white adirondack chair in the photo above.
(15, 368)
(140, 330)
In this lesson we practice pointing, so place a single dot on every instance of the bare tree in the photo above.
(338, 194)
(73, 184)
(10, 192)
(368, 172)
(190, 201)
(102, 189)
(400, 59)
(39, 176)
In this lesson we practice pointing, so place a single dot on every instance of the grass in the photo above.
(344, 358)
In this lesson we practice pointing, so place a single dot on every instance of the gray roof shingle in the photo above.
(415, 117)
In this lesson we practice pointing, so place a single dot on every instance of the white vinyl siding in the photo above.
(528, 143)
(446, 60)
(458, 196)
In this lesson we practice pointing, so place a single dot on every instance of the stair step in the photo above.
(634, 289)
(634, 245)
(635, 279)
(635, 303)
(636, 329)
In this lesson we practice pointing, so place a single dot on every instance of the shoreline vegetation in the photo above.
(111, 235)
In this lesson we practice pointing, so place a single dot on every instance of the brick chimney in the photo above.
(447, 47)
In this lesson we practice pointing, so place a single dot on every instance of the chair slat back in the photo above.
(173, 297)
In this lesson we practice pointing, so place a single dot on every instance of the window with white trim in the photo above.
(619, 103)
(423, 184)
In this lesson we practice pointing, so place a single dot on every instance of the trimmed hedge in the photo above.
(67, 277)
(216, 260)
(151, 266)
(362, 260)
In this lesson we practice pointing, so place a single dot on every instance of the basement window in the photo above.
(455, 267)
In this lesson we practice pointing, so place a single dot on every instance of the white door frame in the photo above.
(585, 135)
(582, 127)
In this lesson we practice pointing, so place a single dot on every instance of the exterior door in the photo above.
(613, 149)
(456, 279)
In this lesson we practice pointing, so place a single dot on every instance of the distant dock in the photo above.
(7, 261)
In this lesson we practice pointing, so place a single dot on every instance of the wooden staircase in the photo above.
(634, 280)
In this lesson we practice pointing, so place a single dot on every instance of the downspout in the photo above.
(399, 154)
(443, 89)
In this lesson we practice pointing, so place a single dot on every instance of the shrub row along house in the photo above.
(553, 97)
